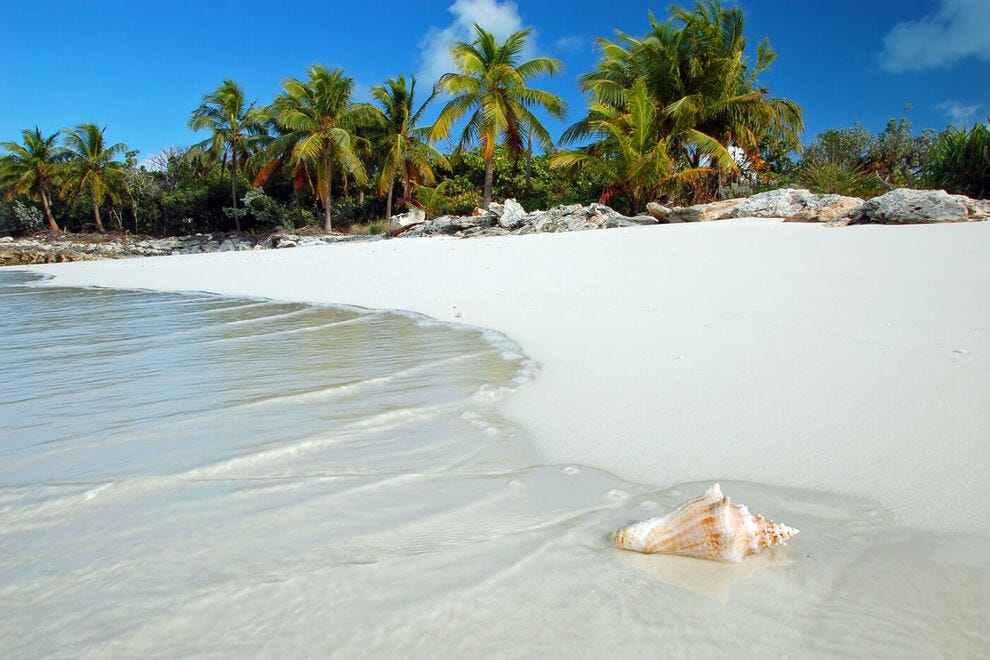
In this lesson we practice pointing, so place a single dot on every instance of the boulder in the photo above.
(511, 215)
(411, 218)
(829, 210)
(796, 205)
(906, 206)
(704, 212)
(658, 211)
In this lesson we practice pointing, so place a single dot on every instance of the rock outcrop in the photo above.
(721, 210)
(658, 211)
(795, 205)
(902, 206)
(511, 218)
(58, 249)
(906, 206)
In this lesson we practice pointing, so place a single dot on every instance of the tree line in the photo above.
(676, 115)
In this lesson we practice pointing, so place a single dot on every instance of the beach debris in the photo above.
(707, 527)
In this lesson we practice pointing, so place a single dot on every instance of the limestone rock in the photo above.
(796, 205)
(512, 214)
(906, 206)
(979, 209)
(412, 217)
(704, 212)
(658, 211)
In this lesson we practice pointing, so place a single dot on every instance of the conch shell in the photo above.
(709, 527)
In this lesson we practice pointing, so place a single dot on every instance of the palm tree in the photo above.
(92, 167)
(630, 152)
(237, 130)
(405, 153)
(31, 168)
(319, 122)
(491, 84)
(694, 68)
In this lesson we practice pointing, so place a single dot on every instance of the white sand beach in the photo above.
(834, 379)
(852, 360)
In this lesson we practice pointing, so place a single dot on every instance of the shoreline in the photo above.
(852, 360)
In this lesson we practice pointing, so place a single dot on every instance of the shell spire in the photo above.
(708, 527)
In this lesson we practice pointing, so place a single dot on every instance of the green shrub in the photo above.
(841, 178)
(959, 161)
(18, 219)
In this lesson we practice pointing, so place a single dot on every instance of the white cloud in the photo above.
(959, 113)
(499, 18)
(958, 29)
(569, 43)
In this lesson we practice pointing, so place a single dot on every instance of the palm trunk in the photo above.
(388, 211)
(233, 189)
(299, 216)
(52, 225)
(529, 159)
(328, 200)
(96, 214)
(489, 175)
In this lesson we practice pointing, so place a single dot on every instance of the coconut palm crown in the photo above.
(709, 100)
(490, 84)
(237, 130)
(406, 154)
(32, 168)
(92, 166)
(319, 125)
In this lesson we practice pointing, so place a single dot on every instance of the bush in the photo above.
(841, 178)
(959, 161)
(265, 212)
(18, 219)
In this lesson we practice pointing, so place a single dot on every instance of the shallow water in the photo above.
(196, 475)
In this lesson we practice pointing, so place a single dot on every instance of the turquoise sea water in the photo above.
(186, 474)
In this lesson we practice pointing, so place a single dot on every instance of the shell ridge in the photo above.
(708, 526)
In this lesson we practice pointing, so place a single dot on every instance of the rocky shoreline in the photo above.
(902, 206)
(55, 248)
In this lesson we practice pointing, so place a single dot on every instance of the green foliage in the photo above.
(318, 135)
(265, 212)
(403, 154)
(237, 129)
(92, 168)
(897, 156)
(839, 177)
(453, 196)
(851, 161)
(19, 219)
(33, 169)
(960, 161)
(490, 87)
(704, 97)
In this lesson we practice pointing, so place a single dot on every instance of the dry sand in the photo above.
(849, 360)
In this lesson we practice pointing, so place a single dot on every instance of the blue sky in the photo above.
(140, 67)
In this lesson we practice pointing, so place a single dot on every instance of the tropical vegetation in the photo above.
(679, 110)
(490, 84)
(959, 160)
(31, 169)
(237, 129)
(405, 154)
(676, 114)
